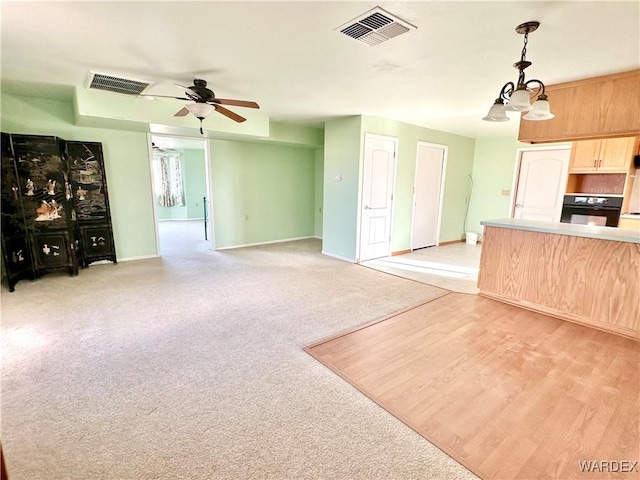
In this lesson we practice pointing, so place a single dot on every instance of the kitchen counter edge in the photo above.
(587, 231)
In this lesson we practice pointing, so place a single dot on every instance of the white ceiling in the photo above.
(288, 57)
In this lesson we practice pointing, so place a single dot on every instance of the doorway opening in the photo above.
(180, 189)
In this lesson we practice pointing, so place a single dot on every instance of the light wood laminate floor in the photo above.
(507, 392)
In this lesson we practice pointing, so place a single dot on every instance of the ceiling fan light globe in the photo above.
(200, 110)
(519, 101)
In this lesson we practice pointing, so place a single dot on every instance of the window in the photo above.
(167, 176)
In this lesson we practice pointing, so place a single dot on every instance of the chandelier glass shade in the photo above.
(517, 97)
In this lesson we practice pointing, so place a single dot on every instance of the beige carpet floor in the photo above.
(191, 366)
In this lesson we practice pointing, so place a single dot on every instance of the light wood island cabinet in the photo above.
(580, 273)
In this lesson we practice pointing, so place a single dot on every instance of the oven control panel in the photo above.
(591, 200)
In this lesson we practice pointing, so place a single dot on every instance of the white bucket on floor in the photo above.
(472, 238)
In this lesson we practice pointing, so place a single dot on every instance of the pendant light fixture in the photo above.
(201, 110)
(517, 98)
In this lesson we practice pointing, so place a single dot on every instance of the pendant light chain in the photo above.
(523, 57)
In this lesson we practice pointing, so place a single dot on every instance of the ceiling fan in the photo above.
(205, 102)
(158, 149)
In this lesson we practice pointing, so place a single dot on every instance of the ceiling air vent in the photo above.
(374, 27)
(111, 83)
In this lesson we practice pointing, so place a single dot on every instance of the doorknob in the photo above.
(367, 207)
(518, 205)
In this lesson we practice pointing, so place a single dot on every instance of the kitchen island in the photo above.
(580, 273)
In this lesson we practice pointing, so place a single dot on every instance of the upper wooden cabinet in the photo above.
(605, 155)
(593, 108)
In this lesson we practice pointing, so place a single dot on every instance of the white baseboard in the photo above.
(264, 243)
(180, 219)
(344, 259)
(143, 257)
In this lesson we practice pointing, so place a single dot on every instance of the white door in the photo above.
(541, 184)
(427, 196)
(377, 196)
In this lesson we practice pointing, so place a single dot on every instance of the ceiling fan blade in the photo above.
(182, 113)
(229, 113)
(190, 93)
(237, 103)
(164, 96)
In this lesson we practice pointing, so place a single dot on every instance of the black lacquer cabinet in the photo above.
(89, 189)
(52, 205)
(16, 249)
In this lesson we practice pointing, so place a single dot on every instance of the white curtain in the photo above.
(168, 179)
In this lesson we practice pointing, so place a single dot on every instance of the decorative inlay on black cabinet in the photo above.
(55, 206)
(52, 250)
(89, 186)
(96, 243)
(43, 178)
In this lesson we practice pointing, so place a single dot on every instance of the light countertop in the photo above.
(571, 229)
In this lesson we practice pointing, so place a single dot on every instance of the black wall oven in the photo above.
(591, 210)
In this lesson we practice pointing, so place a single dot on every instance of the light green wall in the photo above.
(195, 181)
(273, 184)
(342, 153)
(126, 166)
(288, 134)
(459, 167)
(261, 193)
(493, 169)
(344, 140)
(494, 165)
(318, 192)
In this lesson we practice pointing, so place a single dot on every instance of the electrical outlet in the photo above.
(246, 218)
